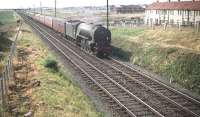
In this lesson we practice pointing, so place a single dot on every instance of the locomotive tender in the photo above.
(91, 37)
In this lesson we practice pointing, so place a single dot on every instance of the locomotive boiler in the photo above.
(91, 37)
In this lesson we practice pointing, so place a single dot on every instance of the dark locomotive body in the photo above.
(94, 38)
(91, 37)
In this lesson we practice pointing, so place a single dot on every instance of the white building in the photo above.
(173, 12)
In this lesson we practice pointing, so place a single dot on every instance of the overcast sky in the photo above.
(66, 3)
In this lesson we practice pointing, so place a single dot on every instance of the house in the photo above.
(129, 9)
(175, 12)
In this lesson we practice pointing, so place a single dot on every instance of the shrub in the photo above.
(51, 64)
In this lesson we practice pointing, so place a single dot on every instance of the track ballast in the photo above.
(134, 93)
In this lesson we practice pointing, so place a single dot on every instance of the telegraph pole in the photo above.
(107, 15)
(41, 7)
(34, 9)
(55, 8)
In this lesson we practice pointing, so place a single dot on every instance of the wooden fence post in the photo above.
(2, 97)
(7, 80)
(179, 26)
(5, 76)
(1, 107)
(165, 25)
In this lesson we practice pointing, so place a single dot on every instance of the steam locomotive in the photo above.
(91, 37)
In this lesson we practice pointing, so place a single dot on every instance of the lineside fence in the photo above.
(7, 76)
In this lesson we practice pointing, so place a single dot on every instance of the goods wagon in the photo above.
(36, 17)
(59, 25)
(48, 21)
(41, 19)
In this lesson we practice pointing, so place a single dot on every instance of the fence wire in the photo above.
(7, 76)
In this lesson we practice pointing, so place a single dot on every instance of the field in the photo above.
(7, 17)
(56, 94)
(7, 30)
(173, 54)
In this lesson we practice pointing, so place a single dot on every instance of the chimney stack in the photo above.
(179, 0)
(169, 0)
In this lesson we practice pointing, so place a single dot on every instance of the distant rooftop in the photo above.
(182, 5)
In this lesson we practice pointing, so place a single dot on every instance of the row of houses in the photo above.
(128, 9)
(173, 12)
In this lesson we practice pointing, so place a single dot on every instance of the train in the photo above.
(94, 38)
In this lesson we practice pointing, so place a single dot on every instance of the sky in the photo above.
(66, 3)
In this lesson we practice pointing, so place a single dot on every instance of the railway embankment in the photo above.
(41, 87)
(8, 25)
(171, 53)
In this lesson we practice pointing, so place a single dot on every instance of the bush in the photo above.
(51, 64)
(5, 42)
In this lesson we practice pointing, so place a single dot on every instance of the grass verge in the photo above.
(57, 95)
(168, 53)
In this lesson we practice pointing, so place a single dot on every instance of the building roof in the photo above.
(183, 5)
(129, 7)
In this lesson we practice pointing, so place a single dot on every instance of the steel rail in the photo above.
(139, 82)
(178, 105)
(165, 97)
(105, 75)
(181, 95)
(101, 72)
(157, 81)
(160, 94)
(106, 91)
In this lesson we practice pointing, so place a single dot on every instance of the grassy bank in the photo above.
(7, 31)
(5, 43)
(173, 54)
(57, 95)
(7, 17)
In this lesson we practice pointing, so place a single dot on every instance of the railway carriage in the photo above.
(36, 17)
(48, 21)
(41, 19)
(59, 25)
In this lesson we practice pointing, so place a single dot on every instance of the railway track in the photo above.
(154, 98)
(180, 100)
(166, 110)
(174, 95)
(132, 105)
